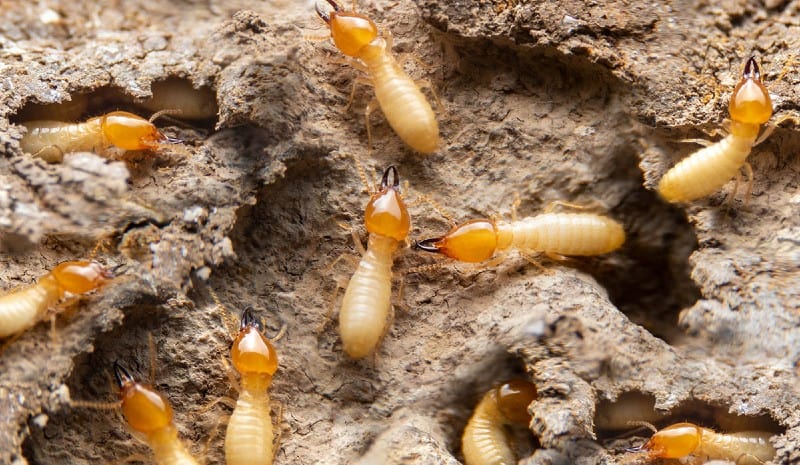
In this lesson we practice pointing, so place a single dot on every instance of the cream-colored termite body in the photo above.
(23, 308)
(405, 107)
(127, 131)
(150, 414)
(249, 438)
(708, 169)
(366, 305)
(698, 444)
(576, 234)
(484, 441)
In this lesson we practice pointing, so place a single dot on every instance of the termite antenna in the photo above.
(644, 424)
(122, 375)
(159, 114)
(751, 70)
(385, 179)
(427, 245)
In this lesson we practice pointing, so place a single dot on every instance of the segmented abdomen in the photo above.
(168, 449)
(744, 448)
(568, 234)
(68, 137)
(484, 442)
(705, 171)
(248, 440)
(367, 300)
(404, 105)
(24, 308)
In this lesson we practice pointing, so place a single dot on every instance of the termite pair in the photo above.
(708, 169)
(405, 107)
(50, 140)
(21, 309)
(484, 441)
(697, 445)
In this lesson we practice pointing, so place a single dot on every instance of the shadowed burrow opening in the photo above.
(470, 384)
(619, 424)
(188, 343)
(183, 104)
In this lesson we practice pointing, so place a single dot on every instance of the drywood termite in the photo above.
(364, 315)
(484, 441)
(21, 309)
(51, 139)
(698, 444)
(555, 234)
(148, 412)
(405, 107)
(249, 438)
(707, 170)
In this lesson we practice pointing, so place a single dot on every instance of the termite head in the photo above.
(350, 31)
(252, 352)
(674, 441)
(750, 102)
(132, 132)
(78, 277)
(386, 212)
(473, 241)
(513, 399)
(145, 409)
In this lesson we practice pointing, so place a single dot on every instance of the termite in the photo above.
(484, 441)
(364, 316)
(189, 102)
(51, 139)
(23, 308)
(148, 412)
(555, 234)
(249, 438)
(707, 170)
(405, 107)
(686, 440)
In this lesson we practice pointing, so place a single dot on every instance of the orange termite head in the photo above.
(513, 399)
(750, 102)
(674, 441)
(350, 31)
(252, 353)
(473, 241)
(386, 213)
(132, 132)
(145, 409)
(81, 276)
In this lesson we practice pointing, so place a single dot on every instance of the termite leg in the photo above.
(592, 205)
(427, 84)
(277, 427)
(50, 154)
(750, 181)
(168, 112)
(514, 206)
(558, 258)
(535, 262)
(356, 82)
(703, 142)
(732, 194)
(371, 106)
(771, 127)
(437, 207)
(331, 310)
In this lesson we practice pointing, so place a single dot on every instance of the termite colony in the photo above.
(366, 308)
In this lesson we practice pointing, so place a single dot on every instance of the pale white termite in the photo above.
(366, 305)
(150, 413)
(23, 308)
(698, 444)
(580, 234)
(708, 169)
(249, 438)
(405, 107)
(50, 140)
(484, 441)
